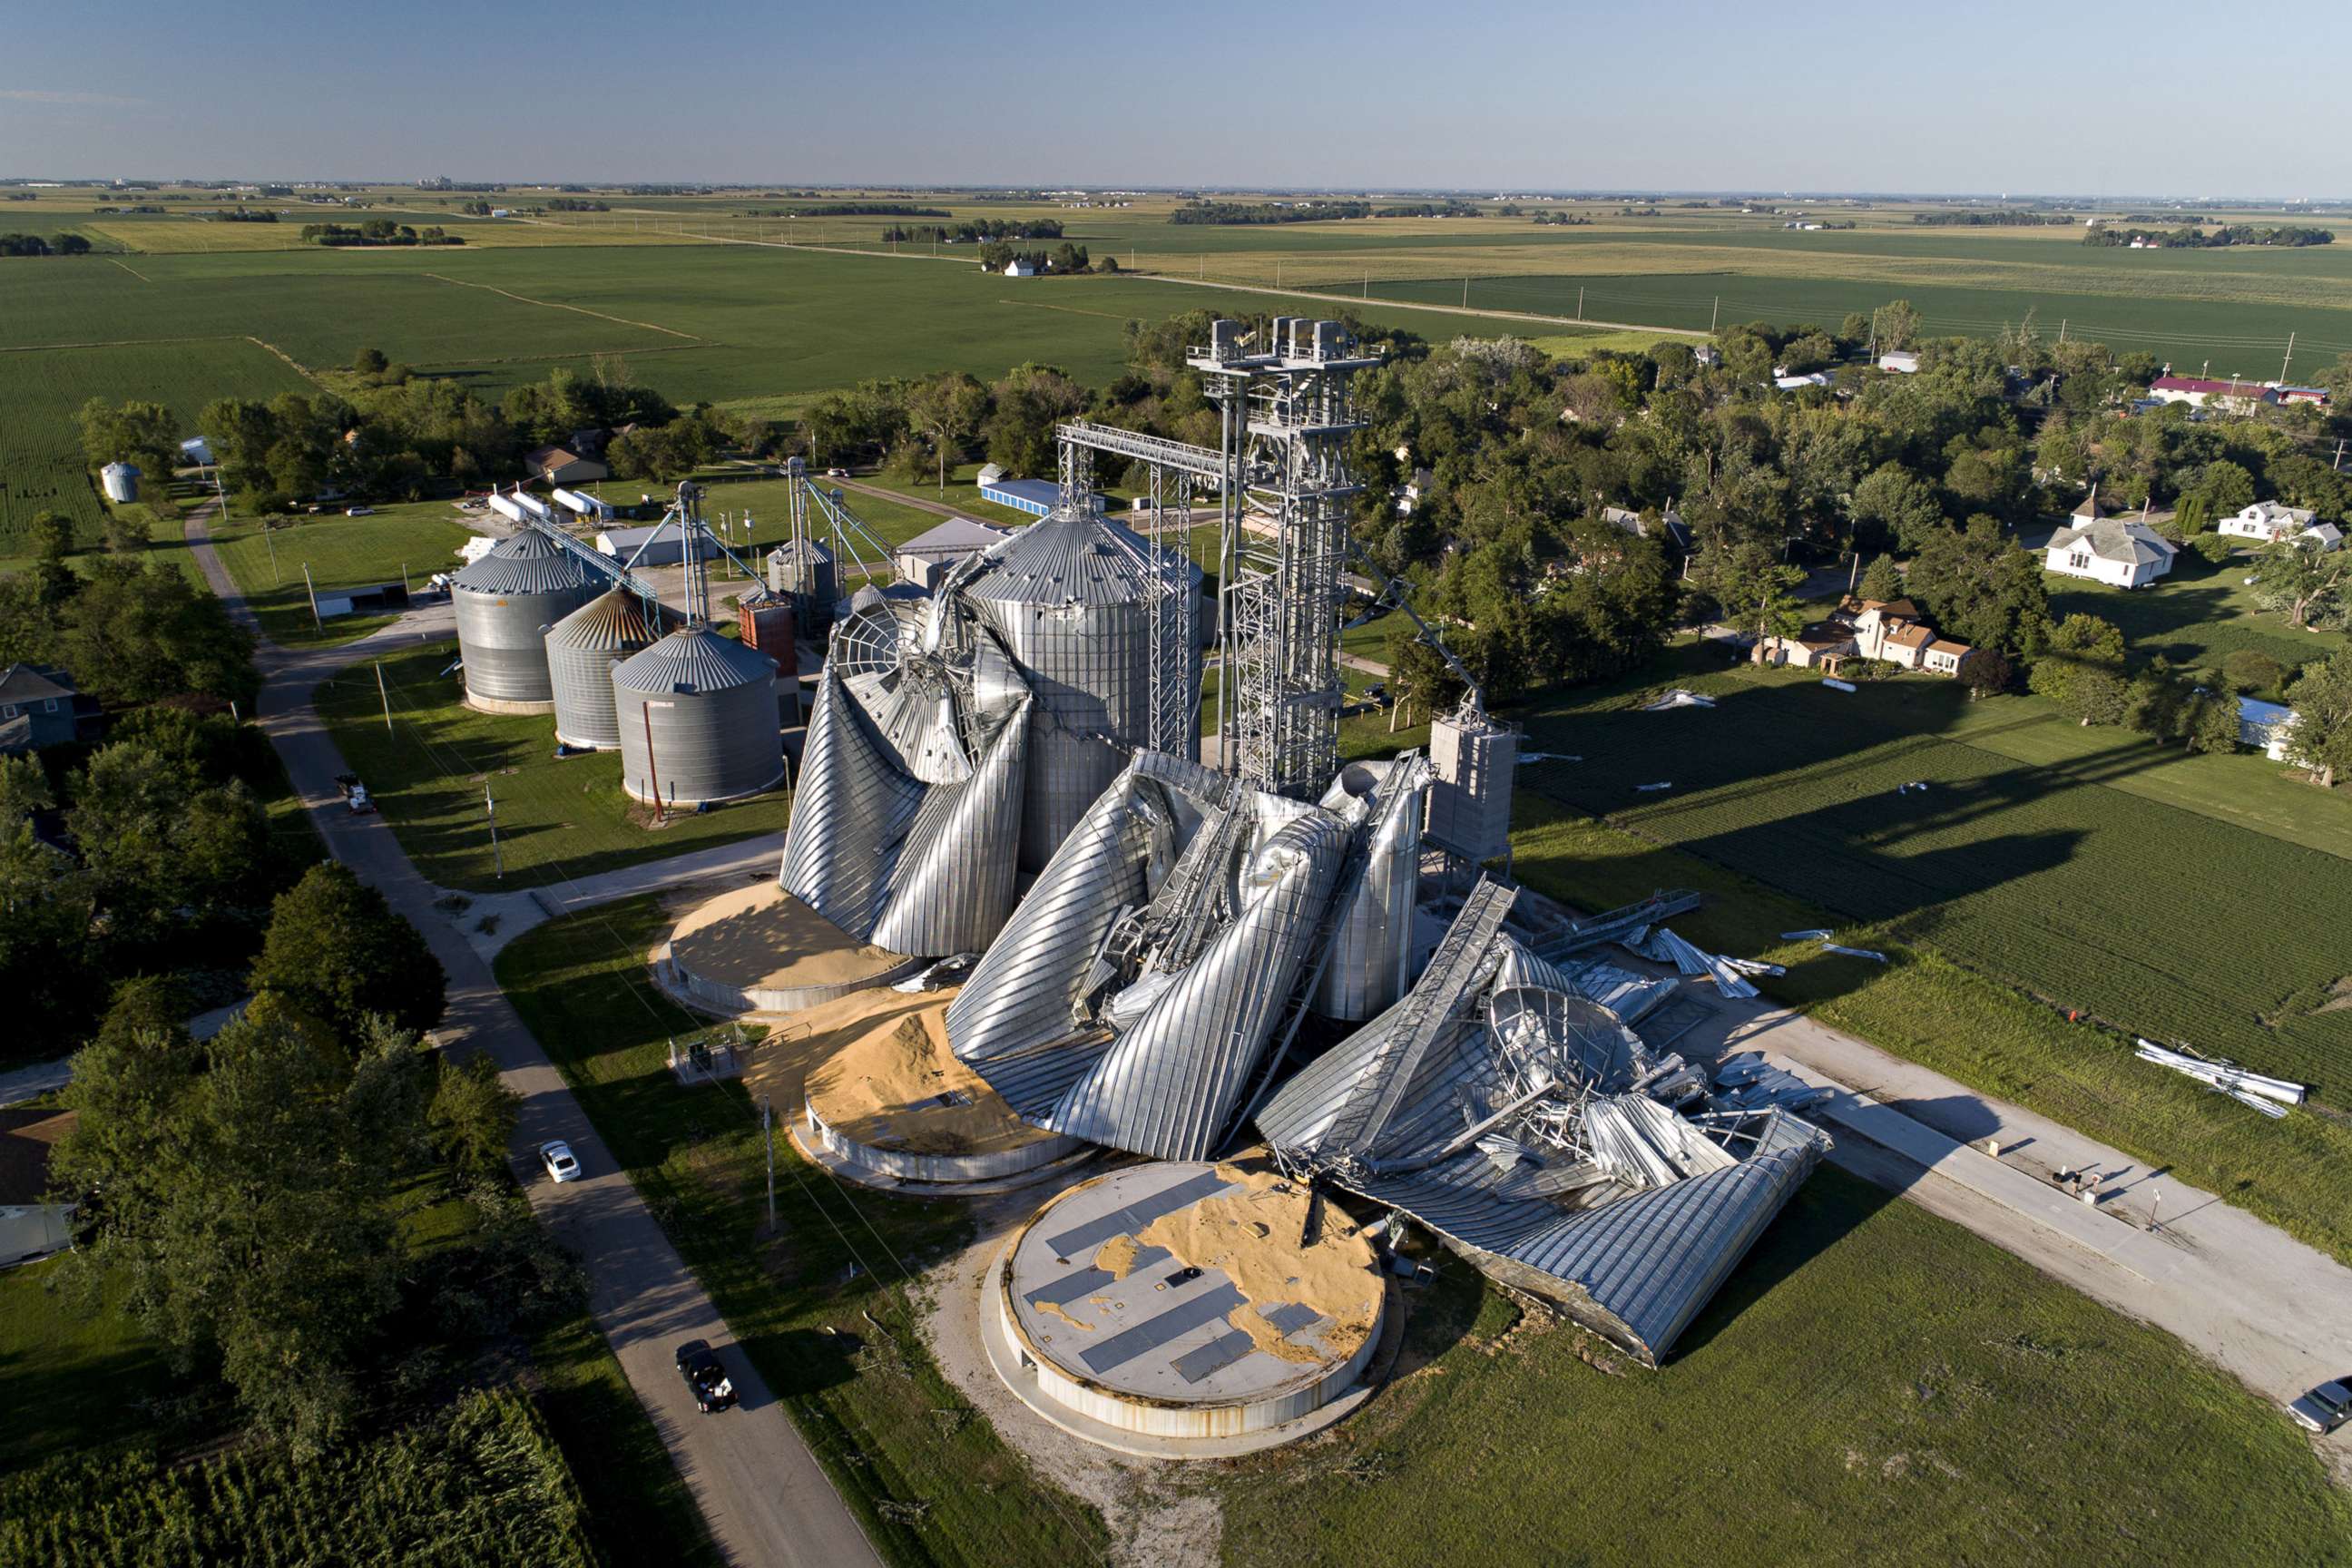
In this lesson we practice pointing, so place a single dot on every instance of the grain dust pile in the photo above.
(761, 937)
(880, 1074)
(1252, 1236)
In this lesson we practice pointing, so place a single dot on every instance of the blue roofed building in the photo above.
(1035, 497)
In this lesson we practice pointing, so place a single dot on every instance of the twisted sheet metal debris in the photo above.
(1133, 994)
(2271, 1096)
(1529, 1127)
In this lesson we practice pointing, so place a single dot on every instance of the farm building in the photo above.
(30, 1225)
(2315, 395)
(1035, 497)
(926, 558)
(2199, 392)
(120, 481)
(2119, 552)
(197, 451)
(1799, 382)
(562, 465)
(2268, 522)
(661, 548)
(1905, 361)
(374, 599)
(1017, 268)
(40, 708)
(2266, 725)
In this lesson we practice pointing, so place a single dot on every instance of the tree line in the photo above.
(376, 231)
(974, 232)
(66, 244)
(2193, 238)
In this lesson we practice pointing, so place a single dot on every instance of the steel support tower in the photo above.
(1285, 494)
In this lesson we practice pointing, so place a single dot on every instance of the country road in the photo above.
(764, 1497)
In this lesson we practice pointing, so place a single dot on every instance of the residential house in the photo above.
(1905, 361)
(1411, 492)
(1894, 632)
(1708, 356)
(2266, 725)
(1799, 382)
(2200, 391)
(1824, 646)
(39, 709)
(1019, 268)
(30, 1224)
(2122, 553)
(2268, 522)
(562, 465)
(1669, 526)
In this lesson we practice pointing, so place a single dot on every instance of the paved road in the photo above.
(764, 1497)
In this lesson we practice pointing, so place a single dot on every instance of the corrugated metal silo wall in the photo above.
(706, 745)
(582, 680)
(503, 640)
(1088, 664)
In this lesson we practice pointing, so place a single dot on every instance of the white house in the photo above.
(2232, 395)
(2266, 725)
(1018, 267)
(1905, 361)
(1799, 382)
(2267, 521)
(2120, 551)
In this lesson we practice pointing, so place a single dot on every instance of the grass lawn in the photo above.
(71, 1378)
(2095, 869)
(888, 1428)
(556, 819)
(1840, 1402)
(416, 539)
(2195, 615)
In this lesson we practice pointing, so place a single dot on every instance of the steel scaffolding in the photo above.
(1285, 490)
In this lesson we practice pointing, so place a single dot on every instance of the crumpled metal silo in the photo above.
(1371, 941)
(697, 717)
(1518, 1119)
(908, 817)
(581, 651)
(1069, 597)
(1133, 994)
(504, 605)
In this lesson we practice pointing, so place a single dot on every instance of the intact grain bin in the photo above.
(1069, 598)
(120, 481)
(581, 653)
(697, 717)
(504, 603)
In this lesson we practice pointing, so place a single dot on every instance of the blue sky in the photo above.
(2061, 96)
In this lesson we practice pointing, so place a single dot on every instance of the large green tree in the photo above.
(2081, 670)
(1979, 588)
(2322, 737)
(337, 951)
(2310, 586)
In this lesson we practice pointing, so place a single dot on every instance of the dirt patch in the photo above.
(1116, 1256)
(2339, 997)
(1053, 1309)
(1160, 1514)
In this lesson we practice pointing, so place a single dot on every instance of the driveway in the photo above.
(763, 1495)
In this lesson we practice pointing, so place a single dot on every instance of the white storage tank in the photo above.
(505, 605)
(120, 481)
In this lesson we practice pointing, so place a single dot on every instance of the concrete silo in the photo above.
(504, 605)
(697, 718)
(581, 654)
(1070, 599)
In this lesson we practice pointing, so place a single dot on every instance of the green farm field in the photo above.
(2194, 899)
(41, 463)
(556, 819)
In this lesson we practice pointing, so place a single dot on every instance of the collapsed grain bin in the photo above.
(697, 718)
(504, 603)
(1070, 599)
(581, 651)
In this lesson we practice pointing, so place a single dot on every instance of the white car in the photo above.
(557, 1157)
(360, 511)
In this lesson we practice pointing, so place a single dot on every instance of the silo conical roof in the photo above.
(694, 659)
(1068, 556)
(530, 562)
(613, 621)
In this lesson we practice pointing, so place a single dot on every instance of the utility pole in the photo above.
(1465, 293)
(1580, 301)
(386, 698)
(2339, 454)
(1714, 311)
(2062, 329)
(768, 1136)
(651, 770)
(317, 625)
(490, 811)
(2289, 360)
